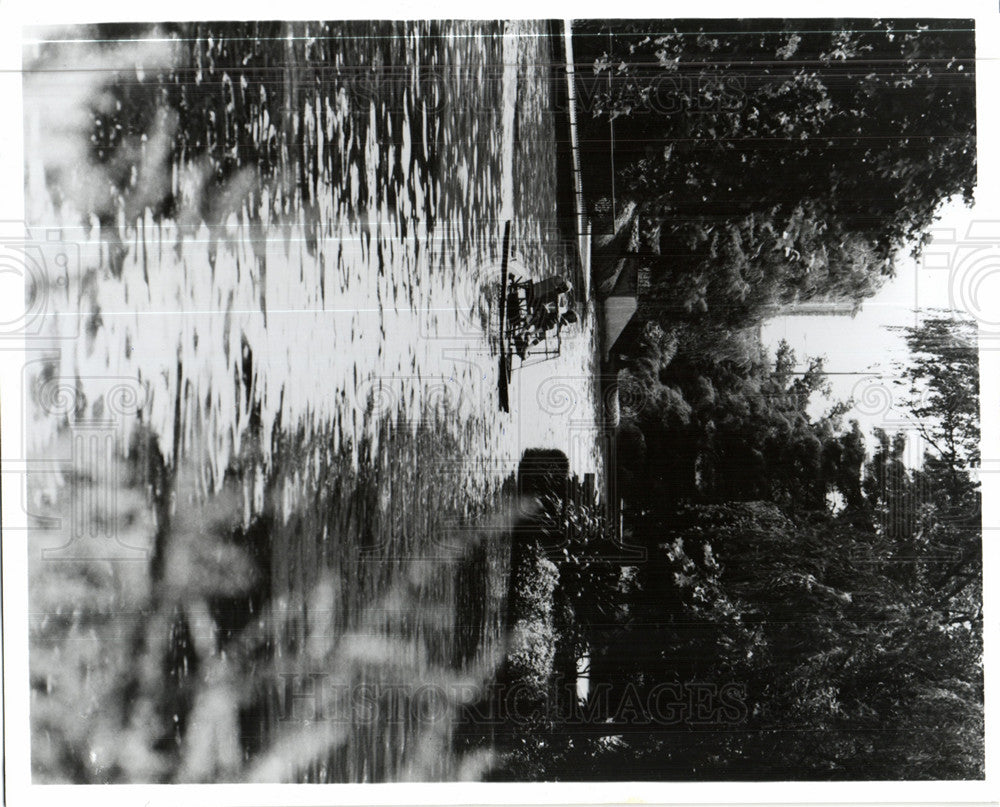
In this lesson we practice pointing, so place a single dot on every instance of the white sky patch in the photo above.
(862, 353)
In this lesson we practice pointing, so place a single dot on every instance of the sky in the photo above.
(862, 352)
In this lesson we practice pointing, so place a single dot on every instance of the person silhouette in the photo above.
(569, 317)
(547, 290)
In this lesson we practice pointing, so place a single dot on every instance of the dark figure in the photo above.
(545, 319)
(569, 317)
(547, 291)
(550, 318)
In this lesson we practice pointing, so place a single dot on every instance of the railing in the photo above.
(582, 221)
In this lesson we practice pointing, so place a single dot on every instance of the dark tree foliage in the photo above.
(726, 422)
(776, 160)
(838, 592)
(761, 163)
(941, 382)
(718, 118)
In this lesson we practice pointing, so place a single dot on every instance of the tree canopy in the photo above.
(826, 593)
(777, 160)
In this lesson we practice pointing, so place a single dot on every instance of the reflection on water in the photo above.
(281, 245)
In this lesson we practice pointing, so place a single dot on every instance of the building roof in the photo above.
(618, 312)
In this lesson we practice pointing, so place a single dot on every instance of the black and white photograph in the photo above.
(444, 400)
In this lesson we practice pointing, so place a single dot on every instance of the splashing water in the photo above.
(282, 256)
